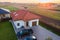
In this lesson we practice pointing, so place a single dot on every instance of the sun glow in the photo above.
(45, 1)
(31, 1)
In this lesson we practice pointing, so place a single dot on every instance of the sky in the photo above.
(31, 1)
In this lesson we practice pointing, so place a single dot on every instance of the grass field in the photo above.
(57, 8)
(11, 8)
(7, 31)
(44, 12)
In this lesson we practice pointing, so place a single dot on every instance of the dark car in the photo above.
(30, 38)
(24, 32)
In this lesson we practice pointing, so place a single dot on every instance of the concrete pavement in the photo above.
(42, 33)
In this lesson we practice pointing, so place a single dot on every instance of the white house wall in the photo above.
(30, 22)
(21, 23)
(7, 15)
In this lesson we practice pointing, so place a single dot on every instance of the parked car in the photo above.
(24, 32)
(30, 38)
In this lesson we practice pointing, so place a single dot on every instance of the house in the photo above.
(4, 13)
(24, 18)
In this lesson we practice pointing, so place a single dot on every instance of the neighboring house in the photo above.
(4, 13)
(24, 18)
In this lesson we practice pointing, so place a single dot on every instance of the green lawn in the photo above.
(7, 31)
(11, 8)
(44, 12)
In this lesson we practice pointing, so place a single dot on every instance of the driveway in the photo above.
(42, 33)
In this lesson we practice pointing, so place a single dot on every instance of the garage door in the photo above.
(34, 23)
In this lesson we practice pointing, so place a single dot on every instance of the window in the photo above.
(18, 24)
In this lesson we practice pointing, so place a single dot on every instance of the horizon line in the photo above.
(37, 2)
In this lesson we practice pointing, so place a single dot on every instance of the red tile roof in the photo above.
(24, 15)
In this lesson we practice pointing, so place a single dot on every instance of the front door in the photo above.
(26, 23)
(34, 23)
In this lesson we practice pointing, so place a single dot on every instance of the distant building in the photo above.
(4, 13)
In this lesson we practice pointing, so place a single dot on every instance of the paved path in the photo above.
(41, 33)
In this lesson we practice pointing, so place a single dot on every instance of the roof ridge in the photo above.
(25, 15)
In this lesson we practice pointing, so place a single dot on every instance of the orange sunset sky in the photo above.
(31, 1)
